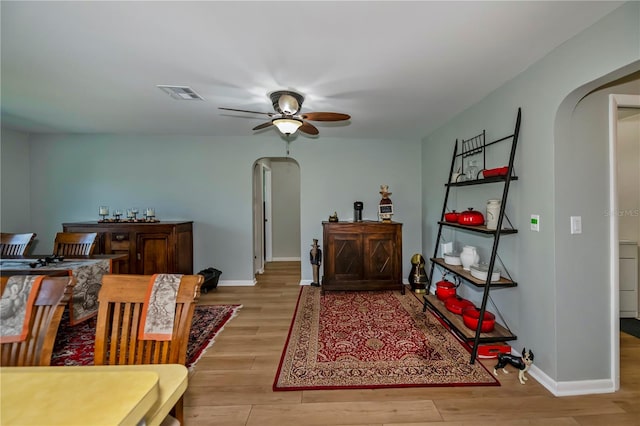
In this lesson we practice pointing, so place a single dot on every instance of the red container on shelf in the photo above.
(471, 317)
(471, 217)
(445, 289)
(452, 216)
(456, 304)
(498, 171)
(492, 350)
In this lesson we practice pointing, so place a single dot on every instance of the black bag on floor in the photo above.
(211, 277)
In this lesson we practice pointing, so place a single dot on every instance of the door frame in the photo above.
(261, 215)
(615, 102)
(268, 222)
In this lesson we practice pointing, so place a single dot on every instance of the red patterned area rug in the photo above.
(74, 345)
(371, 339)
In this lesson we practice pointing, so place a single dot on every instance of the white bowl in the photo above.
(452, 259)
(480, 272)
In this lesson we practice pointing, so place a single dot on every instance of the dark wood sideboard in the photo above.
(362, 256)
(152, 248)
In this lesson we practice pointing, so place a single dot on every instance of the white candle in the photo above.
(150, 212)
(104, 211)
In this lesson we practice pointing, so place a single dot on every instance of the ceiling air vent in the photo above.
(182, 93)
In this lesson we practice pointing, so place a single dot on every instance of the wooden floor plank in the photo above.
(341, 413)
(232, 383)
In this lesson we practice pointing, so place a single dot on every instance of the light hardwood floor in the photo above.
(231, 384)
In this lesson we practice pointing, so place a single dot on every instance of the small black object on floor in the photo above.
(211, 277)
(630, 326)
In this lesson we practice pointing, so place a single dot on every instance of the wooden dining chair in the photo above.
(36, 350)
(120, 307)
(15, 244)
(74, 243)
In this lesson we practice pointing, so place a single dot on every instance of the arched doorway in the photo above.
(276, 211)
(582, 125)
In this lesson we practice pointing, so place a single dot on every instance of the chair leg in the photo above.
(178, 411)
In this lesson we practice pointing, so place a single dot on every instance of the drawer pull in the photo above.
(120, 237)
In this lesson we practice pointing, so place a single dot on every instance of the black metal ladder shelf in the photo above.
(475, 146)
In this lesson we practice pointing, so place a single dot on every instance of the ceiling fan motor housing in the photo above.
(286, 102)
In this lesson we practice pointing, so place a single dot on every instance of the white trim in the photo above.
(580, 387)
(268, 218)
(237, 283)
(615, 102)
(258, 220)
(285, 259)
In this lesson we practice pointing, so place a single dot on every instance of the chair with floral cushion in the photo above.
(120, 313)
(46, 313)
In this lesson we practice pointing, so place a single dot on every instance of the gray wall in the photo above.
(208, 181)
(585, 192)
(285, 197)
(15, 208)
(558, 275)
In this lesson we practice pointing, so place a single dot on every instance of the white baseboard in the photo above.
(285, 259)
(236, 283)
(578, 387)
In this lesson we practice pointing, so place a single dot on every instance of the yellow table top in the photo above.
(95, 395)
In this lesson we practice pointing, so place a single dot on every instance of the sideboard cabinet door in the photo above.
(153, 253)
(380, 256)
(152, 248)
(345, 252)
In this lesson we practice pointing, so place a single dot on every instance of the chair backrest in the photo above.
(74, 243)
(15, 244)
(119, 311)
(36, 350)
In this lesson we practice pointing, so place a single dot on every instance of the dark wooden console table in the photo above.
(362, 256)
(151, 248)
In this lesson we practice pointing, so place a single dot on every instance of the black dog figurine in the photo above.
(521, 363)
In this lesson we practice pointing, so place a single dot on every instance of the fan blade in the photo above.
(325, 116)
(263, 125)
(270, 114)
(308, 128)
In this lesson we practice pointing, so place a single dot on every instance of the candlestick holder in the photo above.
(104, 212)
(150, 214)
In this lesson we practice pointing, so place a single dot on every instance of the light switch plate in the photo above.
(576, 224)
(535, 222)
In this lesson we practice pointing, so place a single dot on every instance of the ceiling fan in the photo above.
(287, 116)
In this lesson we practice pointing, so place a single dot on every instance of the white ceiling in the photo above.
(400, 69)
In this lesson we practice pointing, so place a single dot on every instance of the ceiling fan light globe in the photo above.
(287, 126)
(288, 104)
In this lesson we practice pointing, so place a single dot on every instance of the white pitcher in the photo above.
(468, 257)
(493, 211)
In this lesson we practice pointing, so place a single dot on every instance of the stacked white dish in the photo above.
(480, 272)
(452, 258)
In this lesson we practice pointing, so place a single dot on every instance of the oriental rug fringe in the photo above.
(371, 339)
(75, 344)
